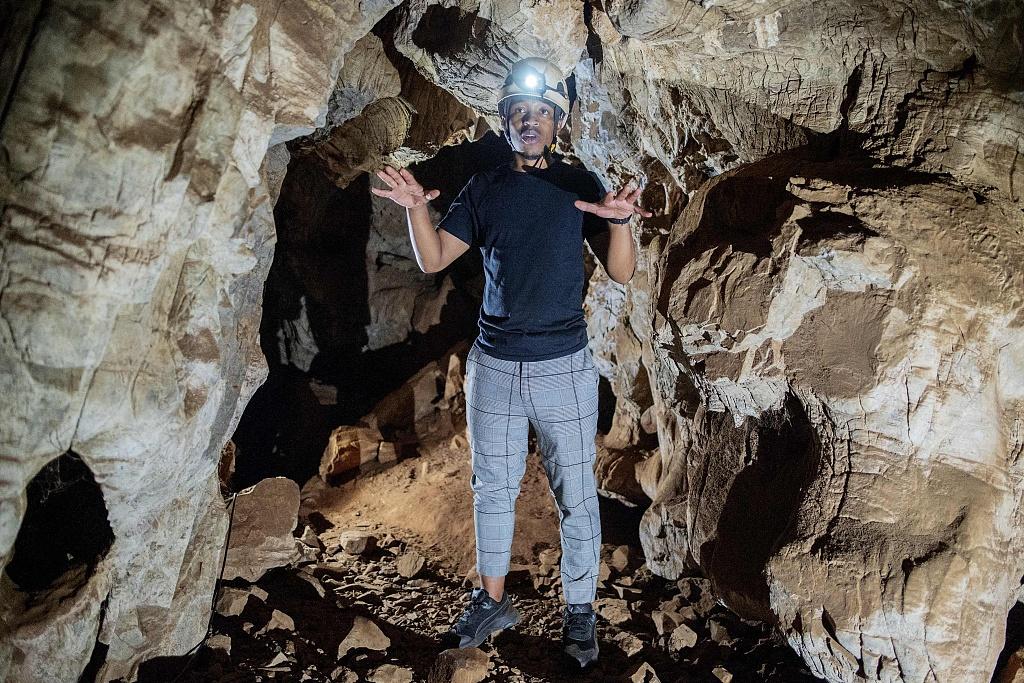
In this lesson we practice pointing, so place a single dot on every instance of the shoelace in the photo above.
(579, 625)
(472, 609)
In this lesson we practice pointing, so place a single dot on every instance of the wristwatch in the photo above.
(620, 221)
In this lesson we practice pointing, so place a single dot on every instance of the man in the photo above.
(530, 364)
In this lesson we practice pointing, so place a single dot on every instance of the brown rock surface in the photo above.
(348, 448)
(364, 634)
(469, 665)
(264, 518)
(837, 414)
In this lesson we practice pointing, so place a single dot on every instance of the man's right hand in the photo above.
(404, 190)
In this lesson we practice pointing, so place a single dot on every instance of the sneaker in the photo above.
(482, 617)
(579, 633)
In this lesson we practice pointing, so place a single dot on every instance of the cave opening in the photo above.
(65, 528)
(343, 308)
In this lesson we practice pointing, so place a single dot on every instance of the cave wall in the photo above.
(823, 330)
(137, 232)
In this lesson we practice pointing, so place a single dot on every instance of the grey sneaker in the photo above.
(579, 633)
(482, 617)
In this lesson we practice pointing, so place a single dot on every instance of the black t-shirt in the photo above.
(531, 237)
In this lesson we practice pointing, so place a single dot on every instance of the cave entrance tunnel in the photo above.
(343, 308)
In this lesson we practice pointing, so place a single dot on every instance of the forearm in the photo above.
(621, 253)
(426, 243)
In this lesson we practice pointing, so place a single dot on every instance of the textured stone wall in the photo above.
(136, 235)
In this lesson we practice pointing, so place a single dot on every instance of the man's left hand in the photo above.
(616, 205)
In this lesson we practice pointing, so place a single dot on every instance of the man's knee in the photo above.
(494, 488)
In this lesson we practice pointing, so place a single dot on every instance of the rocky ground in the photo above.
(374, 613)
(383, 572)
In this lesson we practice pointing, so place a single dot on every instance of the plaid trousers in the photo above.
(559, 398)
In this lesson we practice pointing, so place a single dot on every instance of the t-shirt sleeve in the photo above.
(462, 219)
(593, 191)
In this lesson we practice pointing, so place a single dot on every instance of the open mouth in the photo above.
(530, 137)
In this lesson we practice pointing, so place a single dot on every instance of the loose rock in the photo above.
(629, 643)
(613, 611)
(469, 665)
(278, 620)
(219, 641)
(410, 564)
(682, 637)
(364, 634)
(644, 673)
(348, 448)
(357, 542)
(390, 673)
(232, 601)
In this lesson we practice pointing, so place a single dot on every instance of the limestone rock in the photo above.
(310, 538)
(621, 558)
(644, 673)
(219, 642)
(261, 533)
(348, 448)
(682, 637)
(278, 620)
(366, 75)
(665, 622)
(722, 674)
(387, 452)
(629, 643)
(829, 394)
(390, 673)
(613, 611)
(132, 304)
(356, 542)
(364, 634)
(616, 473)
(454, 380)
(344, 675)
(408, 407)
(232, 601)
(468, 665)
(410, 564)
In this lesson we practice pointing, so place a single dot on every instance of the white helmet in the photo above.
(535, 77)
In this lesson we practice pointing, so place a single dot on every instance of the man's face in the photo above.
(531, 125)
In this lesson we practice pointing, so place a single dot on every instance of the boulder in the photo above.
(261, 532)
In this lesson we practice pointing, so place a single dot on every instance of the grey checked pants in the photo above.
(559, 398)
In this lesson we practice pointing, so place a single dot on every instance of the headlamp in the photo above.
(529, 79)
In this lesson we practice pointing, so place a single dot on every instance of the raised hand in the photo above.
(404, 190)
(616, 205)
